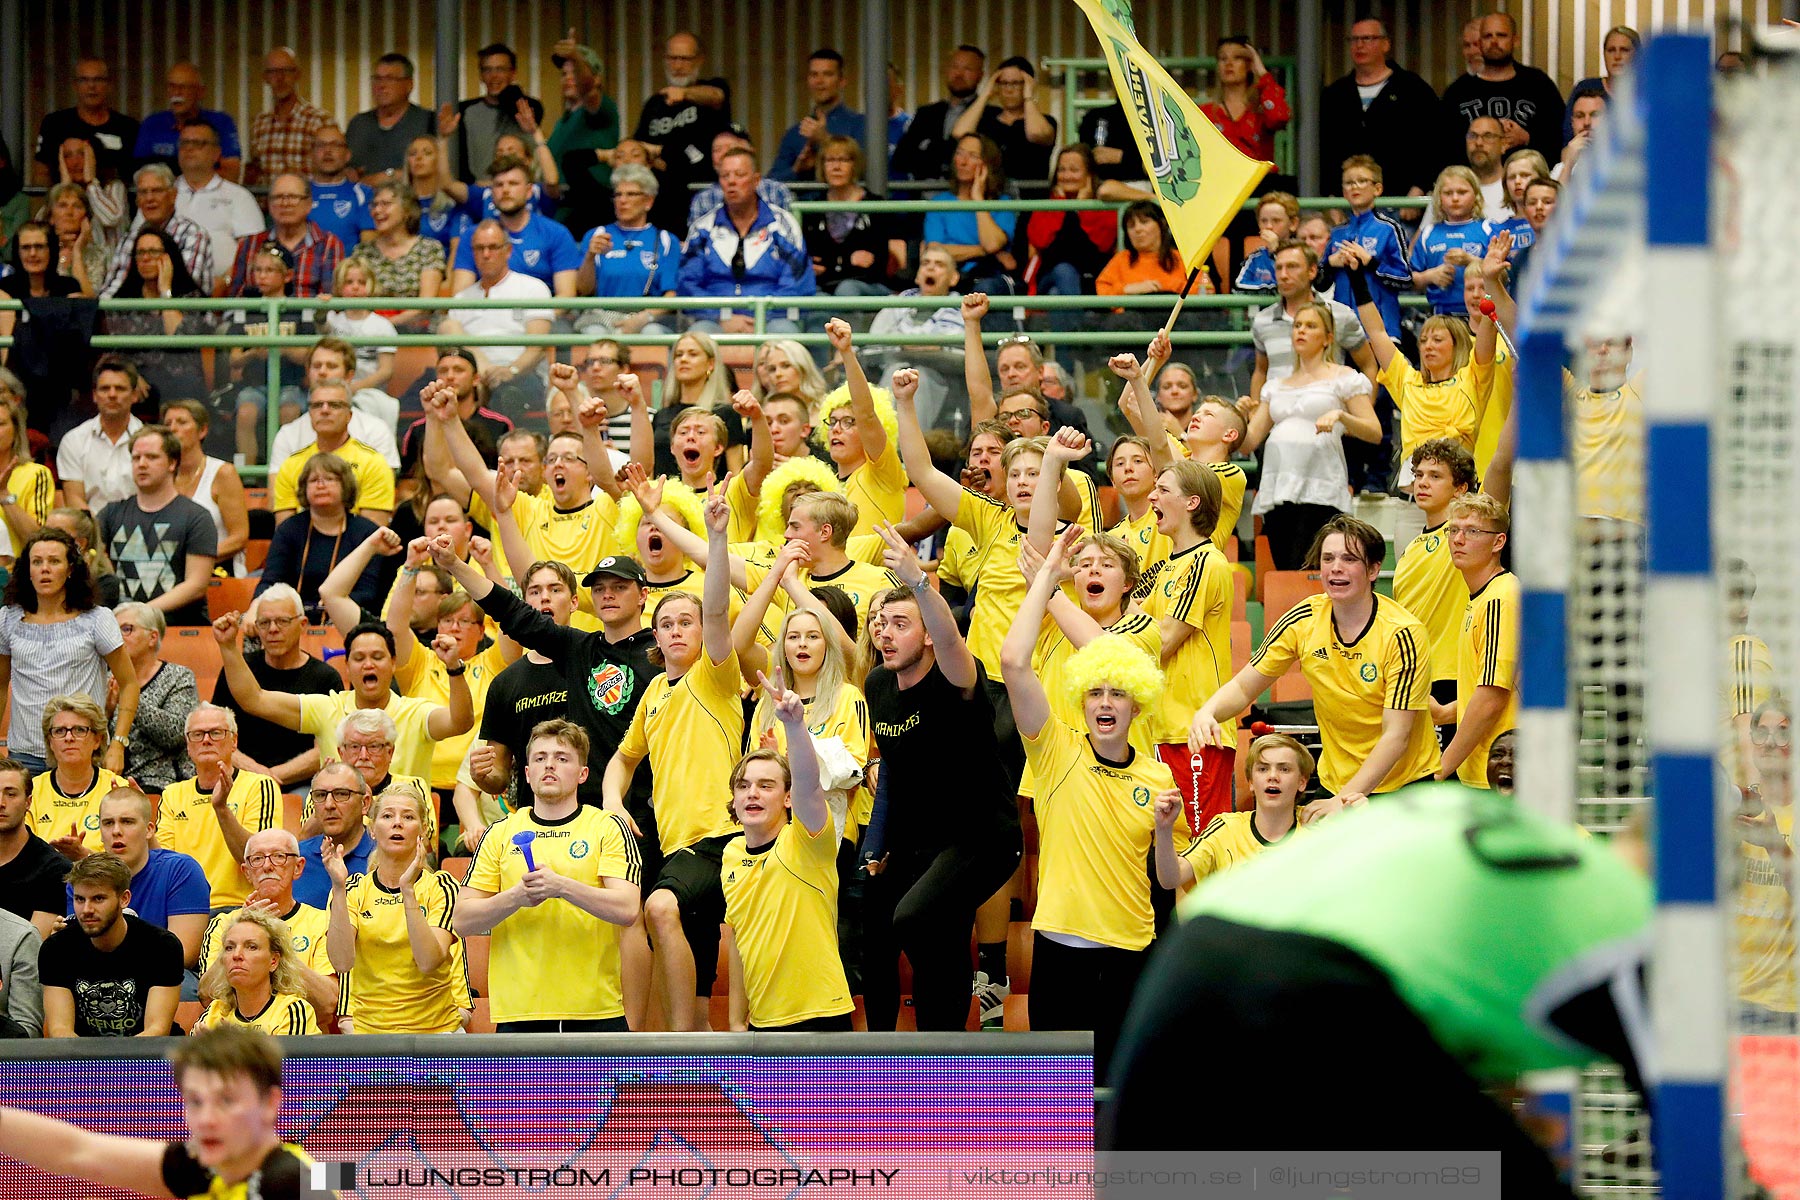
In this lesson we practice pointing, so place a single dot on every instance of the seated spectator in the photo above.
(486, 427)
(31, 872)
(35, 274)
(1116, 157)
(440, 215)
(255, 980)
(315, 252)
(503, 107)
(979, 241)
(162, 542)
(65, 799)
(156, 754)
(227, 211)
(21, 992)
(92, 119)
(1277, 219)
(700, 381)
(168, 888)
(629, 257)
(339, 799)
(1150, 263)
(850, 250)
(108, 973)
(515, 376)
(306, 549)
(280, 137)
(80, 525)
(1069, 249)
(278, 616)
(1484, 148)
(160, 133)
(1585, 111)
(1457, 238)
(160, 273)
(272, 863)
(1540, 205)
(381, 138)
(798, 152)
(589, 128)
(28, 487)
(1248, 105)
(271, 274)
(1617, 49)
(1522, 166)
(211, 816)
(330, 361)
(772, 192)
(784, 365)
(340, 205)
(355, 280)
(366, 737)
(925, 148)
(82, 253)
(404, 261)
(745, 248)
(329, 413)
(102, 188)
(210, 482)
(1006, 112)
(55, 640)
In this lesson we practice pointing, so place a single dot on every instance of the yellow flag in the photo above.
(1200, 178)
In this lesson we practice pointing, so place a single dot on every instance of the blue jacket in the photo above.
(1381, 234)
(774, 254)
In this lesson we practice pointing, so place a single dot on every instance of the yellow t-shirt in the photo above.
(1487, 655)
(960, 561)
(998, 586)
(691, 730)
(374, 478)
(1499, 406)
(385, 986)
(321, 715)
(1093, 516)
(1355, 682)
(186, 822)
(285, 1015)
(1764, 917)
(1050, 659)
(1193, 587)
(849, 720)
(858, 580)
(53, 814)
(33, 489)
(1231, 499)
(878, 489)
(1428, 585)
(1228, 839)
(423, 677)
(743, 509)
(580, 537)
(307, 927)
(781, 904)
(529, 972)
(1096, 822)
(1450, 409)
(1142, 535)
(1607, 450)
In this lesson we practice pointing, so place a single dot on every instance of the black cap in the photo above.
(618, 566)
(275, 249)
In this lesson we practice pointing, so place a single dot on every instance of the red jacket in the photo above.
(1254, 132)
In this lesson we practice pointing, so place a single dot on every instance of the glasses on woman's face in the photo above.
(147, 255)
(1764, 735)
(72, 731)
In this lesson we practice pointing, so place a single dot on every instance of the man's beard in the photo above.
(682, 81)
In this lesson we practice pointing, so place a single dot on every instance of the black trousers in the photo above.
(1083, 988)
(1290, 529)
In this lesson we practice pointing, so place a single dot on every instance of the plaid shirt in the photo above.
(196, 252)
(283, 145)
(314, 263)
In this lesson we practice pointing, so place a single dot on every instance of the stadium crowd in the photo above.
(778, 681)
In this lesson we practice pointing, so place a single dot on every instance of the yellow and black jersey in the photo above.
(1487, 655)
(1450, 408)
(285, 1015)
(1764, 920)
(374, 478)
(1231, 499)
(285, 1174)
(848, 719)
(306, 925)
(1607, 450)
(691, 729)
(320, 717)
(186, 822)
(781, 904)
(1142, 536)
(1193, 587)
(878, 489)
(1230, 838)
(580, 536)
(1050, 659)
(55, 812)
(1355, 680)
(424, 677)
(960, 561)
(1749, 676)
(999, 588)
(1428, 585)
(385, 989)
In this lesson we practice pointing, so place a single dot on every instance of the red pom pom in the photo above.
(1487, 308)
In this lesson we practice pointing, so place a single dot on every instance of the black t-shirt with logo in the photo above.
(111, 987)
(685, 132)
(518, 698)
(944, 778)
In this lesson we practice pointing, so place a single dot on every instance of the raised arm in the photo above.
(1069, 445)
(334, 592)
(1356, 263)
(756, 605)
(1493, 275)
(400, 604)
(862, 400)
(715, 591)
(954, 658)
(439, 400)
(458, 716)
(762, 446)
(280, 708)
(59, 1148)
(1171, 871)
(975, 365)
(1233, 697)
(1030, 704)
(940, 491)
(697, 548)
(804, 794)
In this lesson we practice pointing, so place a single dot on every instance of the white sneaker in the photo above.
(992, 1000)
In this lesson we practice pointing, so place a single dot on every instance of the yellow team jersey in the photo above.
(33, 489)
(878, 489)
(693, 583)
(1355, 681)
(1096, 821)
(1050, 658)
(284, 1174)
(423, 677)
(1193, 587)
(374, 478)
(1749, 678)
(1428, 585)
(285, 1015)
(1228, 839)
(1231, 500)
(1499, 407)
(998, 586)
(54, 813)
(849, 721)
(858, 580)
(781, 904)
(1607, 450)
(960, 561)
(1093, 516)
(529, 972)
(1141, 535)
(1450, 409)
(385, 987)
(743, 509)
(1765, 923)
(1487, 655)
(186, 822)
(691, 730)
(320, 716)
(307, 927)
(579, 537)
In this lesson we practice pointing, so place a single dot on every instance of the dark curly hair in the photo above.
(78, 591)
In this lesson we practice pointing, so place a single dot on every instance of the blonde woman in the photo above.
(255, 979)
(784, 365)
(698, 379)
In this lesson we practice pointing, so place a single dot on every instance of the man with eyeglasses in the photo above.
(1378, 109)
(227, 211)
(210, 817)
(329, 361)
(328, 408)
(157, 136)
(280, 137)
(366, 741)
(629, 257)
(282, 665)
(272, 862)
(340, 205)
(1484, 149)
(606, 360)
(316, 252)
(340, 799)
(677, 125)
(379, 136)
(155, 184)
(94, 120)
(1487, 648)
(513, 374)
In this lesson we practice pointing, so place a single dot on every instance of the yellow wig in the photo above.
(884, 410)
(803, 468)
(1115, 660)
(683, 503)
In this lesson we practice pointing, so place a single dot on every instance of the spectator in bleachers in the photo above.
(366, 737)
(405, 262)
(1456, 238)
(158, 135)
(850, 250)
(94, 120)
(79, 524)
(1070, 249)
(1379, 236)
(1019, 364)
(281, 136)
(271, 274)
(784, 365)
(108, 206)
(629, 257)
(156, 755)
(1249, 105)
(94, 460)
(208, 481)
(109, 973)
(477, 199)
(34, 272)
(330, 361)
(499, 109)
(1296, 274)
(21, 992)
(440, 215)
(168, 887)
(1487, 656)
(772, 192)
(339, 798)
(428, 514)
(256, 979)
(514, 375)
(211, 816)
(1378, 109)
(745, 248)
(677, 125)
(539, 248)
(56, 640)
(937, 276)
(156, 213)
(31, 872)
(458, 367)
(1525, 101)
(1617, 49)
(600, 371)
(1150, 262)
(979, 241)
(1469, 41)
(1006, 112)
(340, 205)
(380, 137)
(65, 800)
(1541, 196)
(227, 211)
(1116, 158)
(315, 252)
(82, 254)
(162, 542)
(589, 124)
(368, 482)
(1585, 110)
(1522, 167)
(278, 617)
(1277, 218)
(271, 865)
(925, 148)
(1485, 151)
(798, 153)
(355, 280)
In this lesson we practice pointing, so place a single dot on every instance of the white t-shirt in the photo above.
(226, 211)
(498, 322)
(361, 324)
(103, 467)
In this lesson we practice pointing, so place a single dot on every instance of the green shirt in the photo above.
(581, 130)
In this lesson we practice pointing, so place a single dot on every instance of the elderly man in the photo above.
(316, 252)
(366, 740)
(282, 665)
(226, 210)
(340, 801)
(158, 135)
(272, 862)
(210, 817)
(379, 137)
(745, 248)
(93, 119)
(1377, 109)
(280, 137)
(1525, 101)
(156, 210)
(677, 125)
(515, 375)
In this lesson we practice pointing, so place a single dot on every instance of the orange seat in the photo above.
(291, 808)
(194, 648)
(229, 595)
(481, 1022)
(1240, 591)
(915, 502)
(318, 639)
(1265, 563)
(1241, 649)
(256, 497)
(475, 954)
(457, 866)
(256, 553)
(1284, 589)
(1109, 505)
